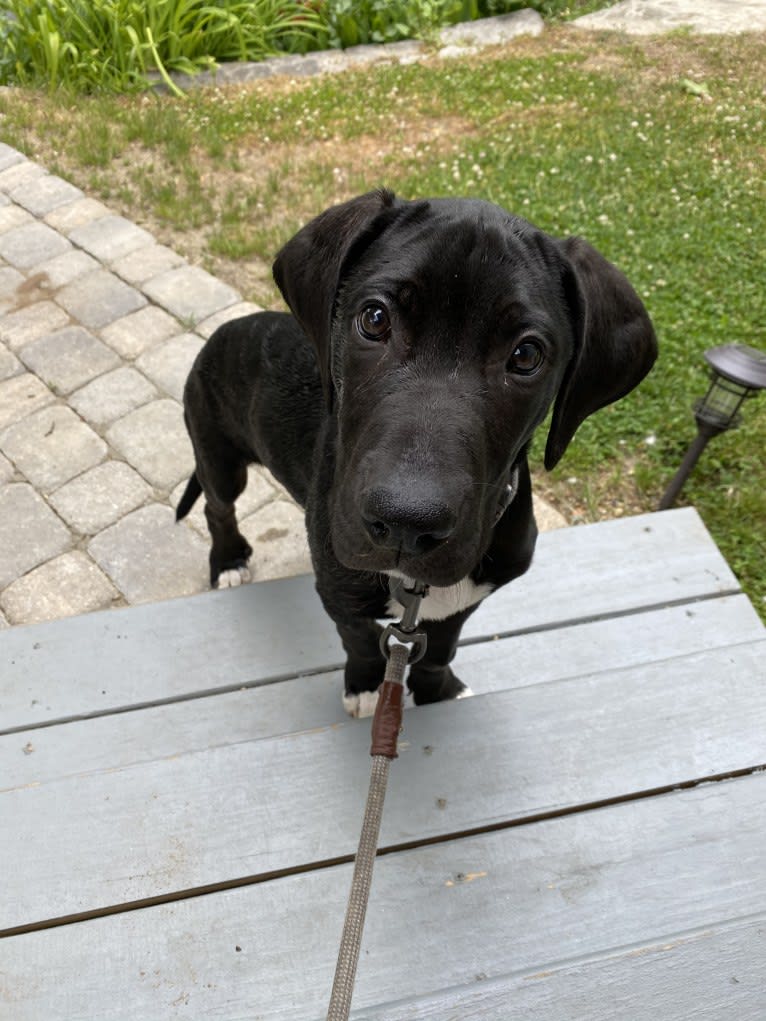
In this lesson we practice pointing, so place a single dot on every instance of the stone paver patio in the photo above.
(99, 325)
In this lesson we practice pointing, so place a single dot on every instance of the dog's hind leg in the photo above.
(222, 475)
(230, 550)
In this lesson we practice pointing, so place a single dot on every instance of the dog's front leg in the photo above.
(365, 665)
(431, 679)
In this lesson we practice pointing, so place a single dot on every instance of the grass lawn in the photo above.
(652, 149)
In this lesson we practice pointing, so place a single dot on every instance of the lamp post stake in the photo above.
(736, 372)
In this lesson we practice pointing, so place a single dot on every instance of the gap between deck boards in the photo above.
(442, 838)
(279, 678)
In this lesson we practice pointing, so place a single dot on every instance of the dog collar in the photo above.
(508, 494)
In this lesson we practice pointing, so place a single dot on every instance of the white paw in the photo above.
(233, 577)
(465, 693)
(360, 705)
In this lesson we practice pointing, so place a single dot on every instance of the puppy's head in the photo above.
(445, 330)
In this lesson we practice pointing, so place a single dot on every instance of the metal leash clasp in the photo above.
(405, 631)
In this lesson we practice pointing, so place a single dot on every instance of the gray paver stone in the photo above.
(147, 262)
(99, 497)
(30, 533)
(99, 298)
(10, 281)
(21, 172)
(13, 216)
(167, 364)
(6, 470)
(9, 156)
(260, 490)
(112, 396)
(153, 439)
(9, 365)
(67, 585)
(45, 193)
(27, 324)
(111, 237)
(51, 446)
(135, 333)
(277, 534)
(63, 269)
(242, 308)
(28, 292)
(30, 244)
(68, 358)
(149, 557)
(546, 516)
(456, 50)
(492, 31)
(75, 214)
(20, 396)
(649, 17)
(190, 293)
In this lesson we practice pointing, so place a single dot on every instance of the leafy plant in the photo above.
(115, 45)
(354, 22)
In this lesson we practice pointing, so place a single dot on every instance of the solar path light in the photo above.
(736, 373)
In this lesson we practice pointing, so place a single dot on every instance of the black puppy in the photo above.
(428, 341)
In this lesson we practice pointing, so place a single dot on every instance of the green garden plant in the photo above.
(353, 22)
(116, 45)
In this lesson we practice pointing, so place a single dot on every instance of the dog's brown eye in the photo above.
(526, 359)
(373, 322)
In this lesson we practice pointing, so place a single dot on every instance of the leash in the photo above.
(408, 646)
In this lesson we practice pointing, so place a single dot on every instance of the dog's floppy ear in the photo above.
(310, 267)
(615, 343)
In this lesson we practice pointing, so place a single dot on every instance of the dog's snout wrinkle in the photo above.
(413, 524)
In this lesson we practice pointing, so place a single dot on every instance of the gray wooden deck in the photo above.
(586, 838)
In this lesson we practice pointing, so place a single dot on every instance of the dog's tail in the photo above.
(187, 501)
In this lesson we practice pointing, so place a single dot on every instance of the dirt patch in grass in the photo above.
(612, 492)
(263, 192)
(648, 61)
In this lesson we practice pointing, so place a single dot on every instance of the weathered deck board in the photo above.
(595, 883)
(145, 831)
(713, 974)
(123, 739)
(278, 629)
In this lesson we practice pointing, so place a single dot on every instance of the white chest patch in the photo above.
(441, 603)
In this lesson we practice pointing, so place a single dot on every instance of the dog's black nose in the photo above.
(415, 525)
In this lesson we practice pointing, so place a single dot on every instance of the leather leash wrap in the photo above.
(387, 721)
